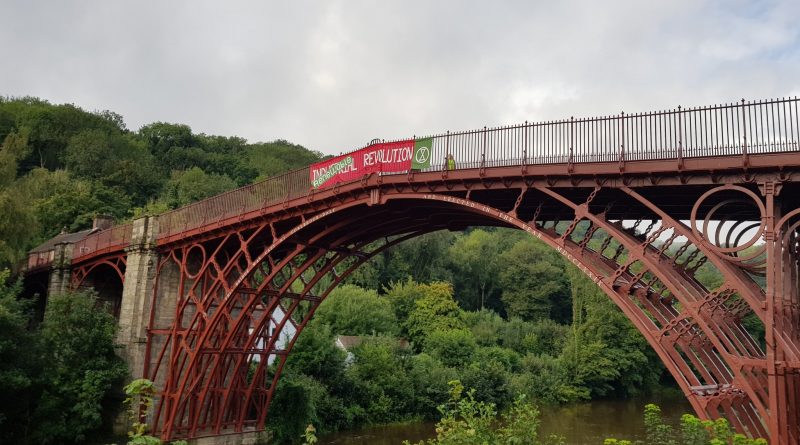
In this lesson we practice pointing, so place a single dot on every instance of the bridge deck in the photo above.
(636, 148)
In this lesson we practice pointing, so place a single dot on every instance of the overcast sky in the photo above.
(332, 75)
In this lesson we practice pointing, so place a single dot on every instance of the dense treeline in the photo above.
(61, 165)
(492, 308)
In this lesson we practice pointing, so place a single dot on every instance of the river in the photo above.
(580, 424)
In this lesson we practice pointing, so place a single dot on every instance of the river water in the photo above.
(580, 424)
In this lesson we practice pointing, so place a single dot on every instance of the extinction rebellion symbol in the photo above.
(422, 153)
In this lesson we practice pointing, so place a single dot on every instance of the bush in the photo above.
(82, 371)
(430, 380)
(351, 310)
(452, 347)
(544, 379)
(489, 382)
(692, 431)
(385, 390)
(467, 421)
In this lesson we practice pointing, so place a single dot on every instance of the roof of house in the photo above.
(62, 238)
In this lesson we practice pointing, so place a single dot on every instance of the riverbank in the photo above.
(579, 423)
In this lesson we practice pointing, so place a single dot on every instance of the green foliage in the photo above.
(429, 378)
(423, 259)
(351, 310)
(692, 431)
(310, 435)
(316, 355)
(468, 421)
(139, 401)
(452, 347)
(60, 166)
(20, 364)
(83, 369)
(534, 283)
(279, 156)
(606, 354)
(403, 297)
(186, 186)
(489, 381)
(292, 408)
(384, 389)
(474, 257)
(435, 311)
(546, 379)
(486, 326)
(59, 379)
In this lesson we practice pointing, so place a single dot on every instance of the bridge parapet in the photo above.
(736, 129)
(111, 239)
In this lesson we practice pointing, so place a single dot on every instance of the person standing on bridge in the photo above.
(451, 163)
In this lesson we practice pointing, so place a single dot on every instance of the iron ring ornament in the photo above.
(723, 232)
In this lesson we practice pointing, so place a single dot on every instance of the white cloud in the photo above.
(334, 74)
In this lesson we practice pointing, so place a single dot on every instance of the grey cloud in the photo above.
(332, 75)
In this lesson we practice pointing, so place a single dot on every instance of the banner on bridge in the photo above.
(384, 157)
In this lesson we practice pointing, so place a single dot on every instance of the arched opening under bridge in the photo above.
(213, 361)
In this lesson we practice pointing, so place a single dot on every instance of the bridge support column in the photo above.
(61, 272)
(137, 293)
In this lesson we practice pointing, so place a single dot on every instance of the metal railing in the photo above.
(116, 237)
(40, 259)
(720, 130)
(736, 129)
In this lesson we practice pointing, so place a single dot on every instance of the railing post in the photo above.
(525, 148)
(525, 144)
(745, 158)
(622, 142)
(483, 149)
(680, 139)
(571, 159)
(446, 153)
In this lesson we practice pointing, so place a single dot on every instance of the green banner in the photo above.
(422, 154)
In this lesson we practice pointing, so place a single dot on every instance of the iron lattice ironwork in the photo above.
(639, 203)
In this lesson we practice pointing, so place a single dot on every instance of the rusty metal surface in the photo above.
(644, 258)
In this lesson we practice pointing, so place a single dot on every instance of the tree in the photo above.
(16, 226)
(115, 160)
(403, 297)
(429, 378)
(293, 407)
(489, 380)
(20, 364)
(194, 184)
(383, 387)
(485, 325)
(351, 310)
(436, 310)
(452, 347)
(77, 337)
(535, 285)
(606, 354)
(315, 354)
(475, 257)
(161, 136)
(13, 150)
(546, 380)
